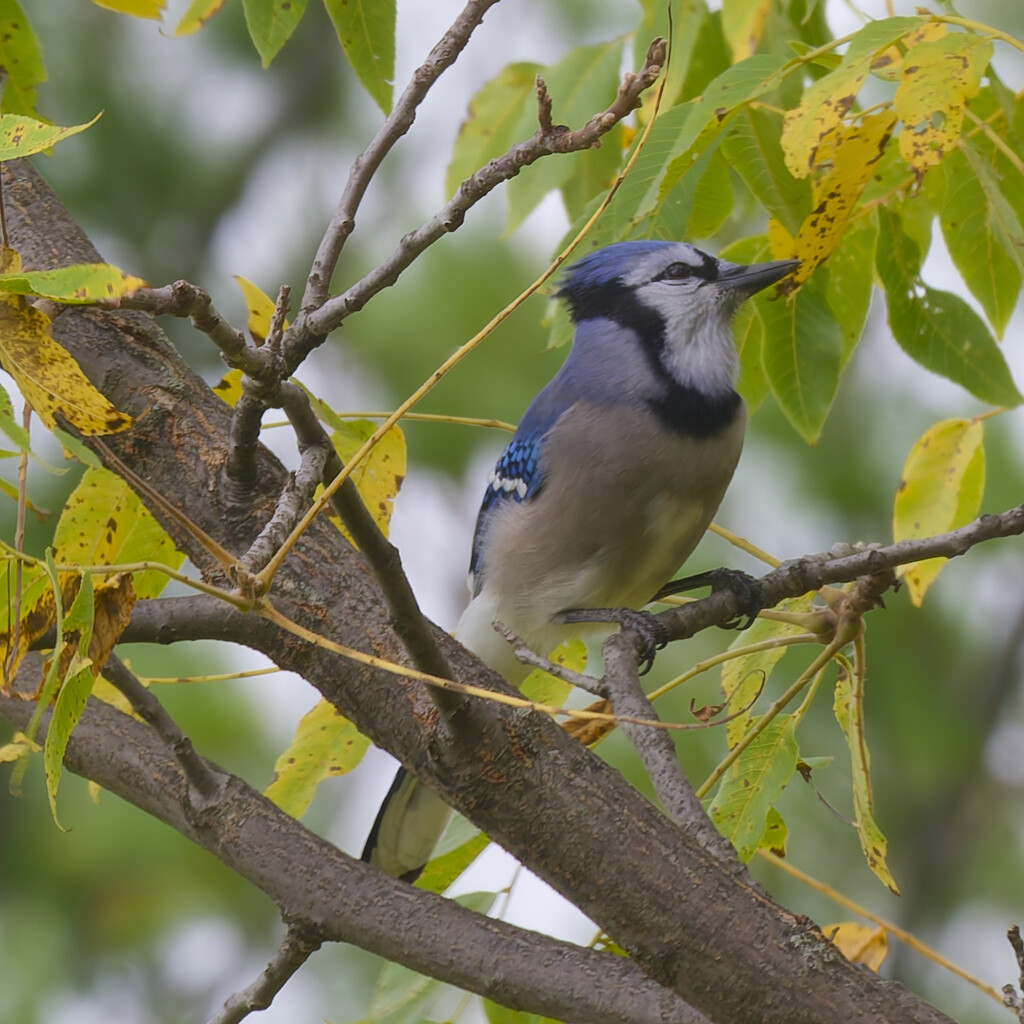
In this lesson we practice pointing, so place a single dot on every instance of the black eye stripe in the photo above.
(707, 271)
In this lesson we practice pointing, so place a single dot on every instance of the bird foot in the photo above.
(651, 630)
(747, 590)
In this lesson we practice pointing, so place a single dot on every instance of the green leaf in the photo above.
(78, 283)
(736, 85)
(742, 24)
(593, 171)
(74, 691)
(498, 1014)
(21, 135)
(326, 744)
(802, 356)
(982, 231)
(495, 113)
(752, 148)
(22, 58)
(446, 866)
(104, 523)
(271, 23)
(688, 29)
(366, 31)
(699, 202)
(937, 329)
(583, 82)
(775, 833)
(744, 677)
(850, 281)
(15, 431)
(753, 783)
(748, 326)
(940, 490)
(849, 711)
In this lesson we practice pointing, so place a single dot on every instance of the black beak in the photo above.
(755, 277)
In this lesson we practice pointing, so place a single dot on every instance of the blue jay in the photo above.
(611, 479)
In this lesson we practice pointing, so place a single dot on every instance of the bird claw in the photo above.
(749, 594)
(652, 632)
(747, 590)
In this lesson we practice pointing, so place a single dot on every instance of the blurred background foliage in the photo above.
(204, 166)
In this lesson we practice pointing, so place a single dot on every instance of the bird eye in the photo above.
(677, 272)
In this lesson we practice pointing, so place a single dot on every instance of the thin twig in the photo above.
(201, 777)
(267, 575)
(313, 325)
(182, 299)
(295, 497)
(621, 685)
(811, 572)
(298, 943)
(398, 122)
(1014, 998)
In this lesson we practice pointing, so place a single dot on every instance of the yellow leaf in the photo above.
(48, 377)
(22, 136)
(261, 310)
(940, 490)
(198, 14)
(544, 688)
(35, 610)
(889, 64)
(20, 744)
(848, 708)
(939, 76)
(859, 943)
(379, 476)
(136, 8)
(742, 25)
(229, 387)
(104, 523)
(325, 744)
(850, 152)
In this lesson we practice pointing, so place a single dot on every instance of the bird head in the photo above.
(676, 299)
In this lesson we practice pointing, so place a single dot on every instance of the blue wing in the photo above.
(518, 474)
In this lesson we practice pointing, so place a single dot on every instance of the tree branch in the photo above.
(565, 814)
(398, 122)
(621, 686)
(313, 325)
(801, 575)
(293, 952)
(332, 897)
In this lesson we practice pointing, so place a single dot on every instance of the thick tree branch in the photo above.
(336, 898)
(726, 948)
